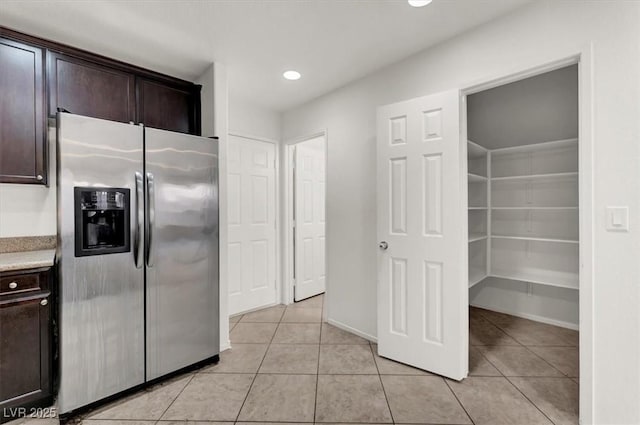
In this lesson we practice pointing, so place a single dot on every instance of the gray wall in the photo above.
(534, 110)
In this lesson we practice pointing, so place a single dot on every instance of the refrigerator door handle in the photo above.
(151, 216)
(137, 241)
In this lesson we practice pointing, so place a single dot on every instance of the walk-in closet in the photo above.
(523, 209)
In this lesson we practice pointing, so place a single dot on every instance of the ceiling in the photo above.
(331, 42)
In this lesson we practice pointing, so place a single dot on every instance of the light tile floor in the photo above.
(288, 366)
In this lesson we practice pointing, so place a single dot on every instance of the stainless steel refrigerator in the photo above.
(137, 255)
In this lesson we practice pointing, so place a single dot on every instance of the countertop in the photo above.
(11, 261)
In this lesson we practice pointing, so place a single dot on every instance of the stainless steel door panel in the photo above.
(182, 258)
(101, 296)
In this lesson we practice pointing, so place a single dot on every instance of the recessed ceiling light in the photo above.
(291, 75)
(419, 3)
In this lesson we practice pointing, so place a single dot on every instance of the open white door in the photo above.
(309, 218)
(251, 206)
(422, 288)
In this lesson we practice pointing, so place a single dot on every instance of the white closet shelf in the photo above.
(479, 277)
(572, 283)
(474, 150)
(476, 278)
(527, 238)
(534, 208)
(535, 146)
(537, 177)
(475, 178)
(473, 237)
(478, 208)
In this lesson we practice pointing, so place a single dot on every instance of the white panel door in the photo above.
(309, 218)
(251, 216)
(422, 288)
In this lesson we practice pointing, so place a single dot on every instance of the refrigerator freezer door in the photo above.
(182, 252)
(101, 296)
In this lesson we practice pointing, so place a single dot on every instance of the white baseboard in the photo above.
(533, 317)
(225, 346)
(352, 330)
(251, 310)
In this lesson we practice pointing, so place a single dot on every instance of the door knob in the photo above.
(383, 245)
(44, 302)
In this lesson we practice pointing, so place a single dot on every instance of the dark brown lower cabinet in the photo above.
(25, 344)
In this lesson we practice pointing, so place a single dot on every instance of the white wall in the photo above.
(215, 123)
(247, 118)
(30, 210)
(538, 33)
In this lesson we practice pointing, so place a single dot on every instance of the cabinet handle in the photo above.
(44, 302)
(39, 177)
(13, 285)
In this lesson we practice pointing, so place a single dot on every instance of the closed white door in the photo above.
(251, 216)
(422, 291)
(309, 218)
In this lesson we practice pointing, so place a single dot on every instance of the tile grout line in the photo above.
(552, 366)
(522, 376)
(564, 375)
(257, 370)
(193, 375)
(501, 328)
(382, 383)
(528, 399)
(512, 384)
(503, 332)
(458, 400)
(552, 346)
(504, 329)
(315, 402)
(491, 363)
(529, 350)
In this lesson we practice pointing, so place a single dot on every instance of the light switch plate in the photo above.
(618, 219)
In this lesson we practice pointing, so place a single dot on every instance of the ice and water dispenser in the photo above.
(101, 221)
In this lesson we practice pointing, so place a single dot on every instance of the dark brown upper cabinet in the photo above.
(86, 88)
(168, 106)
(37, 77)
(23, 147)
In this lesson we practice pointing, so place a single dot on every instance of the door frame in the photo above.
(278, 245)
(584, 59)
(288, 246)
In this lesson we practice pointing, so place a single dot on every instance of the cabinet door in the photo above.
(22, 133)
(90, 89)
(168, 107)
(25, 351)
